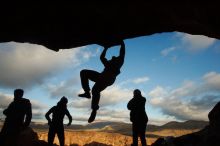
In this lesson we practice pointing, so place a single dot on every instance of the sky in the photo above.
(177, 73)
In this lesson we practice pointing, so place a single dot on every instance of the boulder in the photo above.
(27, 137)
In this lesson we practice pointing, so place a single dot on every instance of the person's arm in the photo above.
(47, 115)
(69, 117)
(6, 111)
(122, 52)
(130, 105)
(28, 114)
(102, 56)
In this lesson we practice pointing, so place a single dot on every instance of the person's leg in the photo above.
(97, 88)
(85, 76)
(11, 135)
(135, 134)
(2, 138)
(3, 134)
(142, 130)
(60, 134)
(51, 135)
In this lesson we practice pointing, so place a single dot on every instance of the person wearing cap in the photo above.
(138, 117)
(56, 123)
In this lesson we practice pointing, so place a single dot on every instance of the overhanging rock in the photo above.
(66, 25)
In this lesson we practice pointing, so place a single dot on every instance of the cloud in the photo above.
(141, 80)
(115, 95)
(166, 52)
(191, 100)
(5, 100)
(205, 102)
(138, 80)
(38, 109)
(81, 103)
(38, 105)
(157, 93)
(64, 88)
(81, 119)
(109, 111)
(196, 43)
(109, 97)
(25, 65)
(212, 79)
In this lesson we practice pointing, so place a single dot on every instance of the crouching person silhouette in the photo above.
(56, 124)
(102, 80)
(138, 117)
(18, 117)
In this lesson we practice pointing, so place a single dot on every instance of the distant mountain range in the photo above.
(125, 128)
(191, 124)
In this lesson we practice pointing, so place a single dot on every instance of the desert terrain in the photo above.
(118, 134)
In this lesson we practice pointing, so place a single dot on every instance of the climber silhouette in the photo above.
(138, 117)
(18, 116)
(102, 80)
(56, 124)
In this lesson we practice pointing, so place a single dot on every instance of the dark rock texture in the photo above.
(27, 137)
(62, 25)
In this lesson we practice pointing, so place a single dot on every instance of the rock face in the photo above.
(209, 136)
(26, 138)
(61, 25)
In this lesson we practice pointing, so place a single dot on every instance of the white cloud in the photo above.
(81, 119)
(166, 52)
(157, 95)
(186, 89)
(114, 95)
(196, 43)
(141, 80)
(25, 65)
(138, 80)
(212, 79)
(191, 100)
(5, 100)
(81, 103)
(109, 97)
(38, 105)
(64, 88)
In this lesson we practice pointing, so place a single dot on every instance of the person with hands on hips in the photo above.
(56, 123)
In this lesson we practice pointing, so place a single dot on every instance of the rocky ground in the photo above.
(83, 138)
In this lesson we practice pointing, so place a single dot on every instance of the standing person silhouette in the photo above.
(138, 117)
(102, 80)
(56, 124)
(18, 116)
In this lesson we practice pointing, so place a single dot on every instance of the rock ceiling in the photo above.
(66, 25)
